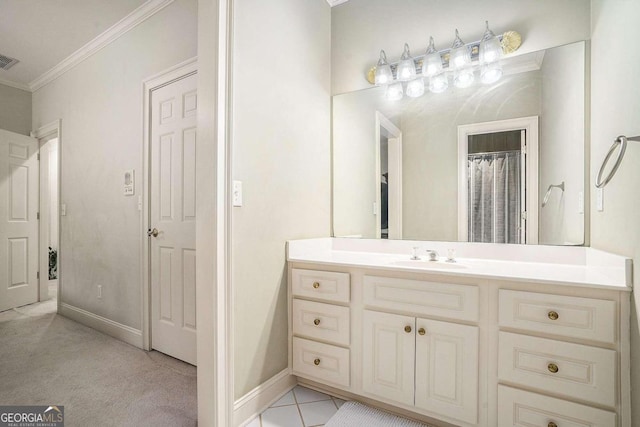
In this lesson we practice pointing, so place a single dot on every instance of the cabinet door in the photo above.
(447, 369)
(388, 356)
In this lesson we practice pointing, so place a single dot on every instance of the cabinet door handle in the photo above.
(553, 315)
(422, 331)
(316, 322)
(316, 285)
(316, 362)
(553, 368)
(552, 424)
(407, 329)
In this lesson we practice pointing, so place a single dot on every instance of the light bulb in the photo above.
(406, 67)
(383, 74)
(394, 92)
(432, 63)
(490, 47)
(463, 78)
(459, 56)
(491, 73)
(438, 83)
(415, 88)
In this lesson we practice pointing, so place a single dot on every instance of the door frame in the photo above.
(395, 162)
(177, 72)
(50, 131)
(530, 125)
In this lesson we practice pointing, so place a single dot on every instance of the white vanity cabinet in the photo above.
(463, 350)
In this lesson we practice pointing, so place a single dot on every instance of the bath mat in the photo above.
(354, 414)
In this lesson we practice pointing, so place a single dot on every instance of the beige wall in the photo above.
(562, 145)
(615, 101)
(281, 153)
(362, 27)
(15, 110)
(100, 103)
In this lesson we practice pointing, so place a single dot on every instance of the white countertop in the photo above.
(577, 266)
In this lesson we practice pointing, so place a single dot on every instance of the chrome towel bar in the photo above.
(619, 141)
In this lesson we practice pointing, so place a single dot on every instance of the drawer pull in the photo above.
(421, 331)
(552, 367)
(553, 315)
(316, 322)
(552, 424)
(316, 285)
(407, 329)
(316, 362)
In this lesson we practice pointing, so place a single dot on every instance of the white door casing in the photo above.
(173, 214)
(530, 127)
(19, 226)
(386, 127)
(49, 221)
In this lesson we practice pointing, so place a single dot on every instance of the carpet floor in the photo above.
(47, 359)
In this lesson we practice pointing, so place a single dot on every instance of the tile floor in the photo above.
(300, 407)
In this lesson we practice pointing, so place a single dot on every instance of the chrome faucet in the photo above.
(433, 255)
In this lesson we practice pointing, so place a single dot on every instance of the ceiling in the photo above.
(42, 33)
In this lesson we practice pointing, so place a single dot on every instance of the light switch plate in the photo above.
(63, 209)
(237, 193)
(580, 202)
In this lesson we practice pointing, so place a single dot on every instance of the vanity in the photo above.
(506, 335)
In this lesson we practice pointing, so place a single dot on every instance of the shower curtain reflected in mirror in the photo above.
(495, 197)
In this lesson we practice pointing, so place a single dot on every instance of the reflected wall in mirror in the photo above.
(473, 164)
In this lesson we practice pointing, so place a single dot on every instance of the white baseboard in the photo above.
(260, 398)
(117, 330)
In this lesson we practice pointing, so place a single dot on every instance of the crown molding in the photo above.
(336, 2)
(15, 85)
(138, 16)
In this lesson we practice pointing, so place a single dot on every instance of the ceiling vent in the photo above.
(7, 62)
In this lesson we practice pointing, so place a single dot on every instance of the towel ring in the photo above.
(622, 142)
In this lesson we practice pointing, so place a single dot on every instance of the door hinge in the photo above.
(523, 215)
(38, 215)
(38, 156)
(38, 274)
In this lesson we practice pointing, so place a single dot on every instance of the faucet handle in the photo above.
(414, 256)
(433, 255)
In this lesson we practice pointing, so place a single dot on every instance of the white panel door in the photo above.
(447, 369)
(18, 220)
(173, 216)
(388, 356)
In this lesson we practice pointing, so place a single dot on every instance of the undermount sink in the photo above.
(428, 265)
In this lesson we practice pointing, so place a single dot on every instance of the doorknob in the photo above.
(153, 232)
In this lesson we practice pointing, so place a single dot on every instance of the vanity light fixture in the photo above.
(407, 67)
(490, 54)
(383, 71)
(460, 61)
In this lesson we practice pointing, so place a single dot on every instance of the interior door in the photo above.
(18, 220)
(173, 215)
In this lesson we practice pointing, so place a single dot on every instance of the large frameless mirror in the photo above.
(497, 163)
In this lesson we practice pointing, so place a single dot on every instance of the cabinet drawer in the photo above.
(520, 408)
(323, 285)
(321, 321)
(422, 298)
(585, 318)
(321, 362)
(573, 370)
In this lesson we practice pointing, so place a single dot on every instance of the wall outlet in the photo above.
(600, 199)
(580, 202)
(99, 291)
(237, 193)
